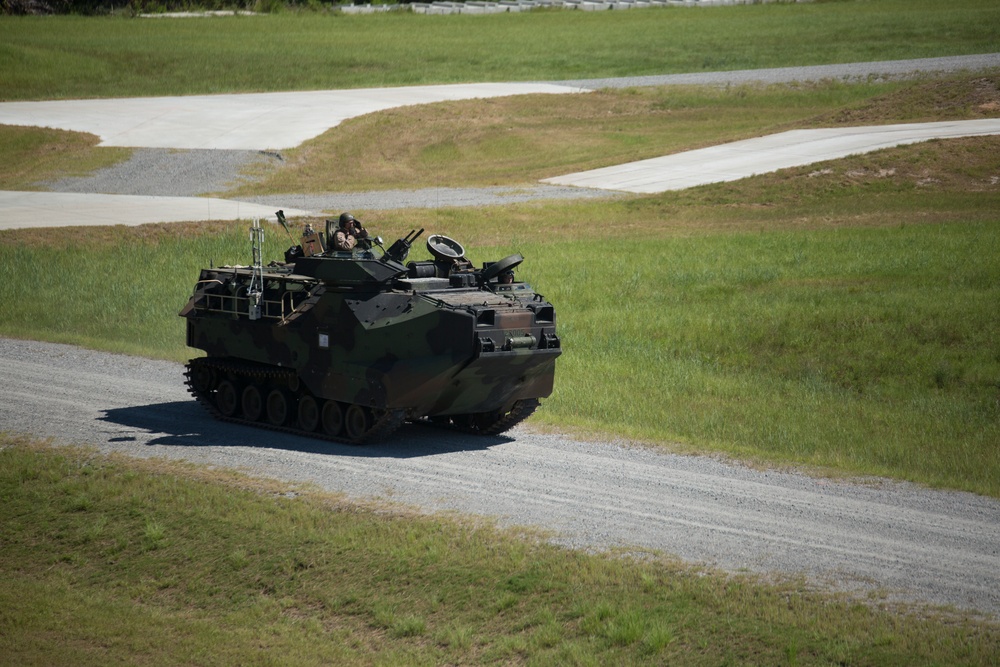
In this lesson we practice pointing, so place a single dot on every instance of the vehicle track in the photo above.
(907, 543)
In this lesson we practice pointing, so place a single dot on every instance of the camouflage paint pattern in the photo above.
(357, 329)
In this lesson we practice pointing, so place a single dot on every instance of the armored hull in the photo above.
(349, 345)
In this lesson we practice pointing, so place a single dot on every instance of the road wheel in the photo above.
(227, 398)
(333, 418)
(253, 404)
(278, 407)
(202, 378)
(308, 413)
(357, 421)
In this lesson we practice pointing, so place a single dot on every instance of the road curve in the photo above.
(912, 543)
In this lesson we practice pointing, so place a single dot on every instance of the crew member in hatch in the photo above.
(348, 233)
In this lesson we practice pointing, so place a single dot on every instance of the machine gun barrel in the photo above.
(401, 248)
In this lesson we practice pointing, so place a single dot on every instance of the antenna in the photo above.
(256, 289)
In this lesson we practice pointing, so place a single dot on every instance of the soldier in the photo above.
(350, 230)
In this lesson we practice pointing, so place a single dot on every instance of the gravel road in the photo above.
(910, 543)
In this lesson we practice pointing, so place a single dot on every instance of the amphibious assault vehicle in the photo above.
(348, 345)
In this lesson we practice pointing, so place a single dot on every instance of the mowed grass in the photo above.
(868, 350)
(113, 288)
(74, 57)
(108, 560)
(841, 315)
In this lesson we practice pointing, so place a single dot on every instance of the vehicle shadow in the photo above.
(185, 424)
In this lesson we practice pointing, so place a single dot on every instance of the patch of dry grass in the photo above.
(962, 97)
(33, 155)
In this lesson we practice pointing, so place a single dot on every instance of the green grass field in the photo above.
(69, 57)
(841, 316)
(119, 561)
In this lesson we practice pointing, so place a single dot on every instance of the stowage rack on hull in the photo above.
(349, 344)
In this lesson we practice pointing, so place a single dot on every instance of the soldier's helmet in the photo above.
(345, 219)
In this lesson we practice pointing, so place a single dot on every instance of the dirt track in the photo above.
(914, 544)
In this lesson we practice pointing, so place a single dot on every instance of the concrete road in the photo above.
(19, 210)
(740, 159)
(255, 121)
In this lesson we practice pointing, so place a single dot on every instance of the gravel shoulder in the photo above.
(167, 172)
(906, 543)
